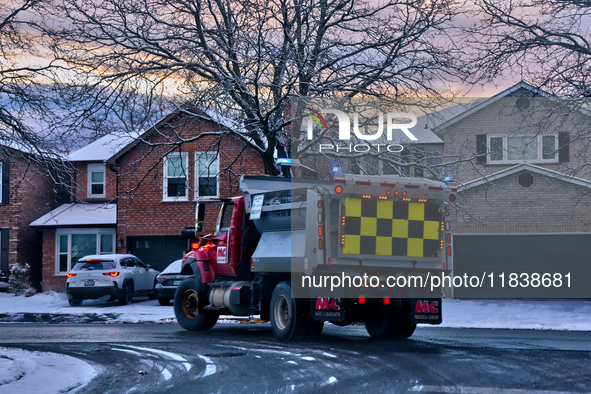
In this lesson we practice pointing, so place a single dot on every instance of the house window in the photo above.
(72, 244)
(176, 170)
(96, 180)
(520, 148)
(206, 179)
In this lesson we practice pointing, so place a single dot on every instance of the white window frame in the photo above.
(96, 167)
(539, 138)
(75, 231)
(165, 177)
(217, 171)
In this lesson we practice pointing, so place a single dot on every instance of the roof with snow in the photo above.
(529, 167)
(113, 144)
(102, 149)
(79, 214)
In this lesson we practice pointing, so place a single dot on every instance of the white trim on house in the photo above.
(94, 168)
(505, 148)
(185, 163)
(67, 233)
(524, 166)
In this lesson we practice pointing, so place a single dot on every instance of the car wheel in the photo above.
(127, 298)
(289, 317)
(75, 301)
(164, 301)
(189, 300)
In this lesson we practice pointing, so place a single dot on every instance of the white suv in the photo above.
(120, 276)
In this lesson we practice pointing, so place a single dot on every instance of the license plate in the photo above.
(176, 282)
(89, 283)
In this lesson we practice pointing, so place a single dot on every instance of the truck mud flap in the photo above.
(425, 310)
(327, 309)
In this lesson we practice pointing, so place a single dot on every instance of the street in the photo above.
(246, 358)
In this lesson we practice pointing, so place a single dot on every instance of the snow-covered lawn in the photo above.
(574, 315)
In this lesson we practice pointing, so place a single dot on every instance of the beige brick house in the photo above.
(521, 161)
(136, 195)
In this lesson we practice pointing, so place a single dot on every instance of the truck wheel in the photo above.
(403, 327)
(289, 320)
(380, 322)
(188, 306)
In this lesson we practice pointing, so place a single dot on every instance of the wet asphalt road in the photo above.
(241, 358)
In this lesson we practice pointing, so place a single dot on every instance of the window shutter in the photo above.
(5, 182)
(481, 149)
(3, 249)
(563, 151)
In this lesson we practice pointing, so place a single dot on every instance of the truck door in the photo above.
(226, 241)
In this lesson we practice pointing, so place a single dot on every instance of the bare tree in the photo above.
(545, 42)
(244, 60)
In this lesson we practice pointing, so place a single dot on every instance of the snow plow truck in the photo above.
(298, 253)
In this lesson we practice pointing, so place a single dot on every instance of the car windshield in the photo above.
(94, 265)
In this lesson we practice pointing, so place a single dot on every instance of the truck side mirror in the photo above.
(199, 217)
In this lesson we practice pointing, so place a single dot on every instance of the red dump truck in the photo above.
(358, 249)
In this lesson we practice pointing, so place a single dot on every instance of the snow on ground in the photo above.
(570, 315)
(22, 371)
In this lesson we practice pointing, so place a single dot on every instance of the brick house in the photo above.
(136, 195)
(26, 191)
(524, 194)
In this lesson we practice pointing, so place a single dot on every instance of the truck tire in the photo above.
(380, 322)
(188, 306)
(402, 327)
(289, 317)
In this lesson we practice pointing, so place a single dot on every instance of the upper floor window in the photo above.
(176, 170)
(520, 148)
(96, 180)
(206, 179)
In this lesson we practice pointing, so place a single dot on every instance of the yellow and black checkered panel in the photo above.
(391, 228)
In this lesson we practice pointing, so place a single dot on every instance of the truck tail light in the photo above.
(195, 245)
(452, 197)
(320, 231)
(338, 189)
(320, 243)
(448, 238)
(449, 250)
(70, 275)
(441, 245)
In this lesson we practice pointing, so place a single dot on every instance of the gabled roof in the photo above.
(485, 103)
(115, 144)
(79, 214)
(529, 167)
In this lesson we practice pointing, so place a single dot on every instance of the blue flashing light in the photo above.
(335, 168)
(447, 178)
(284, 161)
